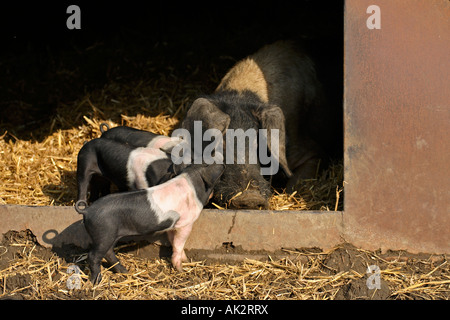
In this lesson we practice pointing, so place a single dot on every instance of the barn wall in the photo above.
(397, 119)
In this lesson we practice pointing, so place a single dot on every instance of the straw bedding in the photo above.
(28, 271)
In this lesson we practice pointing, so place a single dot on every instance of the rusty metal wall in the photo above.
(397, 125)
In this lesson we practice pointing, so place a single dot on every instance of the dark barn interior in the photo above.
(183, 48)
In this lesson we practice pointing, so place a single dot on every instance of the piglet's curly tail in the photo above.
(81, 203)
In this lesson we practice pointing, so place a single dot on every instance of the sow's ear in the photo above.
(211, 116)
(272, 117)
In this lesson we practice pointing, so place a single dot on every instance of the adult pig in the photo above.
(102, 161)
(173, 206)
(275, 88)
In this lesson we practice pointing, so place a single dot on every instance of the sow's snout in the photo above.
(242, 187)
(249, 199)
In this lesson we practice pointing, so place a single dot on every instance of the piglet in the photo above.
(138, 138)
(172, 206)
(102, 161)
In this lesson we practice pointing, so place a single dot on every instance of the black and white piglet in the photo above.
(173, 206)
(102, 161)
(138, 138)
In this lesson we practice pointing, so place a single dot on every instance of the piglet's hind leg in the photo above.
(96, 254)
(170, 236)
(179, 240)
(114, 261)
(94, 261)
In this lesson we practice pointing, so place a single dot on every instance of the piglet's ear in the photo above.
(211, 174)
(211, 116)
(272, 117)
(172, 143)
(178, 168)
